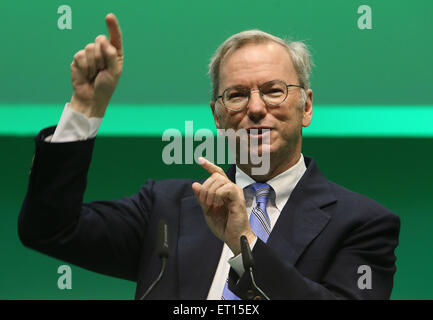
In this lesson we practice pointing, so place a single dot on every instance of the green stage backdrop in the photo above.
(372, 129)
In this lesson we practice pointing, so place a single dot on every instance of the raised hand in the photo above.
(95, 71)
(224, 208)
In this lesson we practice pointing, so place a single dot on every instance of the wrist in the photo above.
(235, 245)
(89, 110)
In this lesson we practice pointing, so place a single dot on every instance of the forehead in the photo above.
(256, 63)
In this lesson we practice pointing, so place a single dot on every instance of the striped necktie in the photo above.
(259, 222)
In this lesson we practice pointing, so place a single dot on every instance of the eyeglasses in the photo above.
(272, 93)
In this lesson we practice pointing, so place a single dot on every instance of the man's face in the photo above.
(251, 66)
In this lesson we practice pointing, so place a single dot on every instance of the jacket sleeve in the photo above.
(101, 236)
(372, 244)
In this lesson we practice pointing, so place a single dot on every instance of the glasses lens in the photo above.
(236, 98)
(274, 92)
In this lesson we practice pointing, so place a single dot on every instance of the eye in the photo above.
(273, 91)
(236, 94)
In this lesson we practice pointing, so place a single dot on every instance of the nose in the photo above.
(256, 106)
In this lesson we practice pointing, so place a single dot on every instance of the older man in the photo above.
(311, 238)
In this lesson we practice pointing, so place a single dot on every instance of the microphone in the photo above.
(162, 240)
(162, 251)
(248, 262)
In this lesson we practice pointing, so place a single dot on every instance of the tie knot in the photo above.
(261, 191)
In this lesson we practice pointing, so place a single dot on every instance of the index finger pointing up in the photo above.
(114, 32)
(210, 167)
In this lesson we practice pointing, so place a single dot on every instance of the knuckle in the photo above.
(99, 38)
(224, 179)
(79, 54)
(111, 53)
(89, 47)
(111, 50)
(215, 175)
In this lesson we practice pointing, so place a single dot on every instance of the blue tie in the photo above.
(259, 222)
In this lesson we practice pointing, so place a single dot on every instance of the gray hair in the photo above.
(298, 51)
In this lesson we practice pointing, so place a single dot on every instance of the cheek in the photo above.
(231, 121)
(289, 125)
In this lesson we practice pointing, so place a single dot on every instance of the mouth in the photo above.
(258, 131)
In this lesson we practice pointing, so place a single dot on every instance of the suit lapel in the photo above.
(199, 250)
(300, 222)
(302, 218)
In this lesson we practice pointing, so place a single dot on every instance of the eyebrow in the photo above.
(260, 85)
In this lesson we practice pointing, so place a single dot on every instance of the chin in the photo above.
(261, 150)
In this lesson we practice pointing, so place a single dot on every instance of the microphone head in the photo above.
(162, 240)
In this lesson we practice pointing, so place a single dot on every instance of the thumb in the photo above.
(114, 32)
(196, 187)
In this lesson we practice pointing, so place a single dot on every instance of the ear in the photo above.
(308, 109)
(215, 117)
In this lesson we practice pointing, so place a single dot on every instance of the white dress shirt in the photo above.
(74, 126)
(282, 187)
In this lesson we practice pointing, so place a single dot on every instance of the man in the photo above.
(310, 237)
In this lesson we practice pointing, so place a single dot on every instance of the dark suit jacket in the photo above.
(323, 235)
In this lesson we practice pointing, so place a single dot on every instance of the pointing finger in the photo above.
(114, 32)
(210, 167)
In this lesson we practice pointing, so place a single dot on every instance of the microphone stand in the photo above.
(163, 253)
(248, 262)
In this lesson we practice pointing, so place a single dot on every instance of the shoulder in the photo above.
(338, 201)
(168, 188)
(358, 207)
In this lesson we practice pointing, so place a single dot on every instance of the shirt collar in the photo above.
(283, 184)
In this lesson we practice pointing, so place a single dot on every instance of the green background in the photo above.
(168, 45)
(372, 132)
